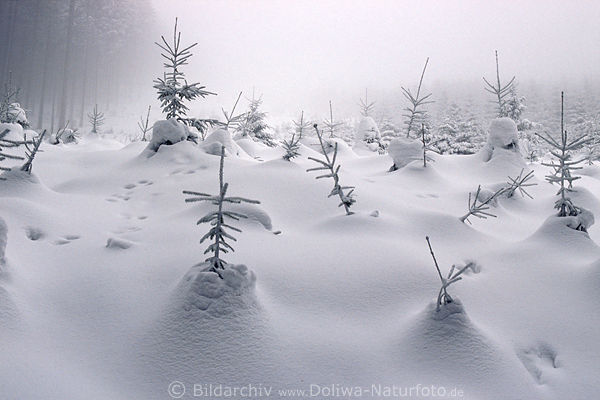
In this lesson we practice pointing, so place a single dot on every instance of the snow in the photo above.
(219, 138)
(404, 151)
(167, 132)
(502, 137)
(103, 293)
(368, 130)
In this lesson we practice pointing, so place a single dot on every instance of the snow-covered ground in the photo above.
(99, 296)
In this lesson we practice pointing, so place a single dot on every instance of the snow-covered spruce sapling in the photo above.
(478, 207)
(216, 219)
(254, 123)
(453, 276)
(332, 125)
(292, 146)
(426, 146)
(366, 107)
(144, 125)
(499, 90)
(3, 156)
(346, 199)
(96, 119)
(31, 151)
(563, 170)
(414, 112)
(7, 114)
(232, 120)
(519, 183)
(173, 89)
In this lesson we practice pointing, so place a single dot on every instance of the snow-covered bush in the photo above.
(221, 138)
(457, 134)
(216, 219)
(563, 171)
(404, 151)
(346, 198)
(167, 132)
(502, 136)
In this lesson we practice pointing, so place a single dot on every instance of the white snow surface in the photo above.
(103, 294)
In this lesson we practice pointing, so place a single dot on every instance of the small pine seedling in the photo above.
(519, 183)
(414, 112)
(292, 146)
(563, 170)
(96, 119)
(346, 199)
(216, 219)
(144, 125)
(230, 118)
(453, 276)
(331, 125)
(366, 108)
(499, 90)
(31, 151)
(477, 207)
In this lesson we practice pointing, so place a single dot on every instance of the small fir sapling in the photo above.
(144, 125)
(332, 125)
(232, 120)
(478, 206)
(366, 107)
(454, 275)
(8, 111)
(292, 146)
(31, 151)
(4, 143)
(173, 89)
(216, 219)
(414, 112)
(499, 90)
(346, 199)
(563, 169)
(426, 146)
(96, 119)
(254, 123)
(519, 183)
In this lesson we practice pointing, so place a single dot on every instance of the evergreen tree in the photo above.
(254, 123)
(499, 90)
(366, 107)
(565, 165)
(173, 89)
(513, 105)
(414, 112)
(292, 146)
(216, 219)
(332, 126)
(96, 119)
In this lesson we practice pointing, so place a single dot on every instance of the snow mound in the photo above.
(167, 132)
(203, 291)
(18, 183)
(254, 213)
(566, 232)
(502, 137)
(219, 138)
(449, 348)
(368, 130)
(250, 146)
(15, 131)
(118, 244)
(404, 151)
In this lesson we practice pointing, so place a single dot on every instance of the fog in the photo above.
(65, 56)
(302, 53)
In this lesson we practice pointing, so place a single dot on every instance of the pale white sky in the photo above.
(301, 53)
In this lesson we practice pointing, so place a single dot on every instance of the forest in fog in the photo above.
(67, 55)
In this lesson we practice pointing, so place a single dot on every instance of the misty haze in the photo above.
(318, 199)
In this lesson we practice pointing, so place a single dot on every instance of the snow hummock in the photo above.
(404, 151)
(219, 138)
(368, 130)
(502, 136)
(167, 132)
